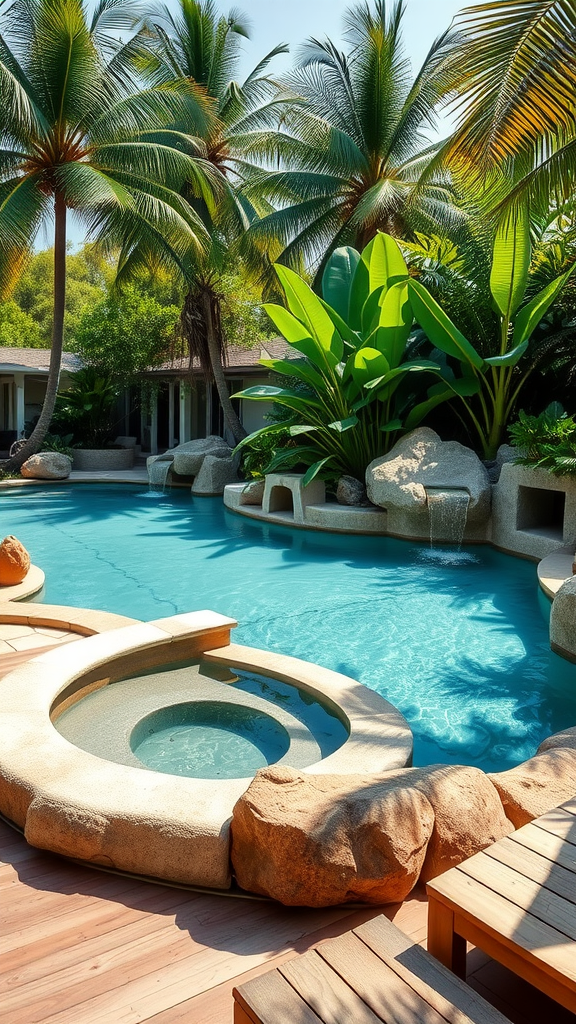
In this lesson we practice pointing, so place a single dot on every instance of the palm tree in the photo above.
(352, 155)
(77, 134)
(201, 46)
(515, 88)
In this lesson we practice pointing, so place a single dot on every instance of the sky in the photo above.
(294, 21)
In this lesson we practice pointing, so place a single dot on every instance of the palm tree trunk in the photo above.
(214, 349)
(34, 443)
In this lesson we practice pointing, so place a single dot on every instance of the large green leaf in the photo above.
(419, 366)
(358, 295)
(299, 335)
(528, 318)
(314, 470)
(371, 311)
(308, 308)
(385, 262)
(294, 400)
(511, 261)
(337, 279)
(344, 330)
(341, 426)
(439, 327)
(300, 369)
(395, 323)
(509, 358)
(366, 365)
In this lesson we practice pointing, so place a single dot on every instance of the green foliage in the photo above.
(59, 443)
(547, 441)
(17, 328)
(85, 408)
(499, 382)
(87, 277)
(125, 333)
(358, 389)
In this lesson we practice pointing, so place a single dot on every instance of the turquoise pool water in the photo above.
(457, 641)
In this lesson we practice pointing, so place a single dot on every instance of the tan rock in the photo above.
(537, 785)
(468, 815)
(253, 492)
(566, 738)
(14, 562)
(323, 840)
(47, 466)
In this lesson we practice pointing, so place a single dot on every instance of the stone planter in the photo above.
(108, 459)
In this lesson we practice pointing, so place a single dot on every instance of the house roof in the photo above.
(237, 359)
(33, 360)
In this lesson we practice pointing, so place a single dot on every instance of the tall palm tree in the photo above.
(352, 156)
(76, 134)
(515, 88)
(201, 46)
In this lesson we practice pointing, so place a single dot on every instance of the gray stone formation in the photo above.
(421, 463)
(188, 460)
(47, 466)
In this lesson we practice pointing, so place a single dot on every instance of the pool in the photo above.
(456, 640)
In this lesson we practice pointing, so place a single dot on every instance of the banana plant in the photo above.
(355, 389)
(500, 377)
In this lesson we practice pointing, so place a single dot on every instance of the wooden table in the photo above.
(517, 901)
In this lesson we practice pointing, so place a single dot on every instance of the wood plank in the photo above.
(525, 893)
(547, 845)
(559, 824)
(443, 942)
(388, 995)
(534, 866)
(272, 1000)
(540, 944)
(446, 992)
(325, 992)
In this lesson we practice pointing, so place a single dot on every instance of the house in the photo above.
(174, 403)
(23, 376)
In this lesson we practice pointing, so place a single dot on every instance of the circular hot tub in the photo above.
(209, 740)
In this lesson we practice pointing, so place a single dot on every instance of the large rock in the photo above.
(47, 466)
(537, 785)
(563, 620)
(351, 491)
(398, 482)
(14, 562)
(468, 815)
(566, 738)
(215, 474)
(323, 840)
(189, 457)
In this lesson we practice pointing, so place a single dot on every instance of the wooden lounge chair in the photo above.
(373, 974)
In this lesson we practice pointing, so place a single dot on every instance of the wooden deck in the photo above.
(79, 946)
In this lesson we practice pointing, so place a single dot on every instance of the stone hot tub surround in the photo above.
(75, 803)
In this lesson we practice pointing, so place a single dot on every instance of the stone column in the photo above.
(19, 382)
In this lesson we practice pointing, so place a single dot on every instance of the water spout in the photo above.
(448, 514)
(158, 474)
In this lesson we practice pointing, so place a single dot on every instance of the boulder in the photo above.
(563, 620)
(47, 466)
(537, 785)
(351, 491)
(188, 458)
(215, 473)
(14, 562)
(468, 815)
(566, 738)
(421, 460)
(253, 493)
(323, 840)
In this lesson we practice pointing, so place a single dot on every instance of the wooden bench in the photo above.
(373, 974)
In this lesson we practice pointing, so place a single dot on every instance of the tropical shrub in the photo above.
(547, 441)
(500, 377)
(359, 387)
(85, 409)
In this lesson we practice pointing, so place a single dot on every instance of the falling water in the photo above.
(158, 474)
(448, 512)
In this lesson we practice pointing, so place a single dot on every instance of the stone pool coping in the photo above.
(176, 829)
(554, 570)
